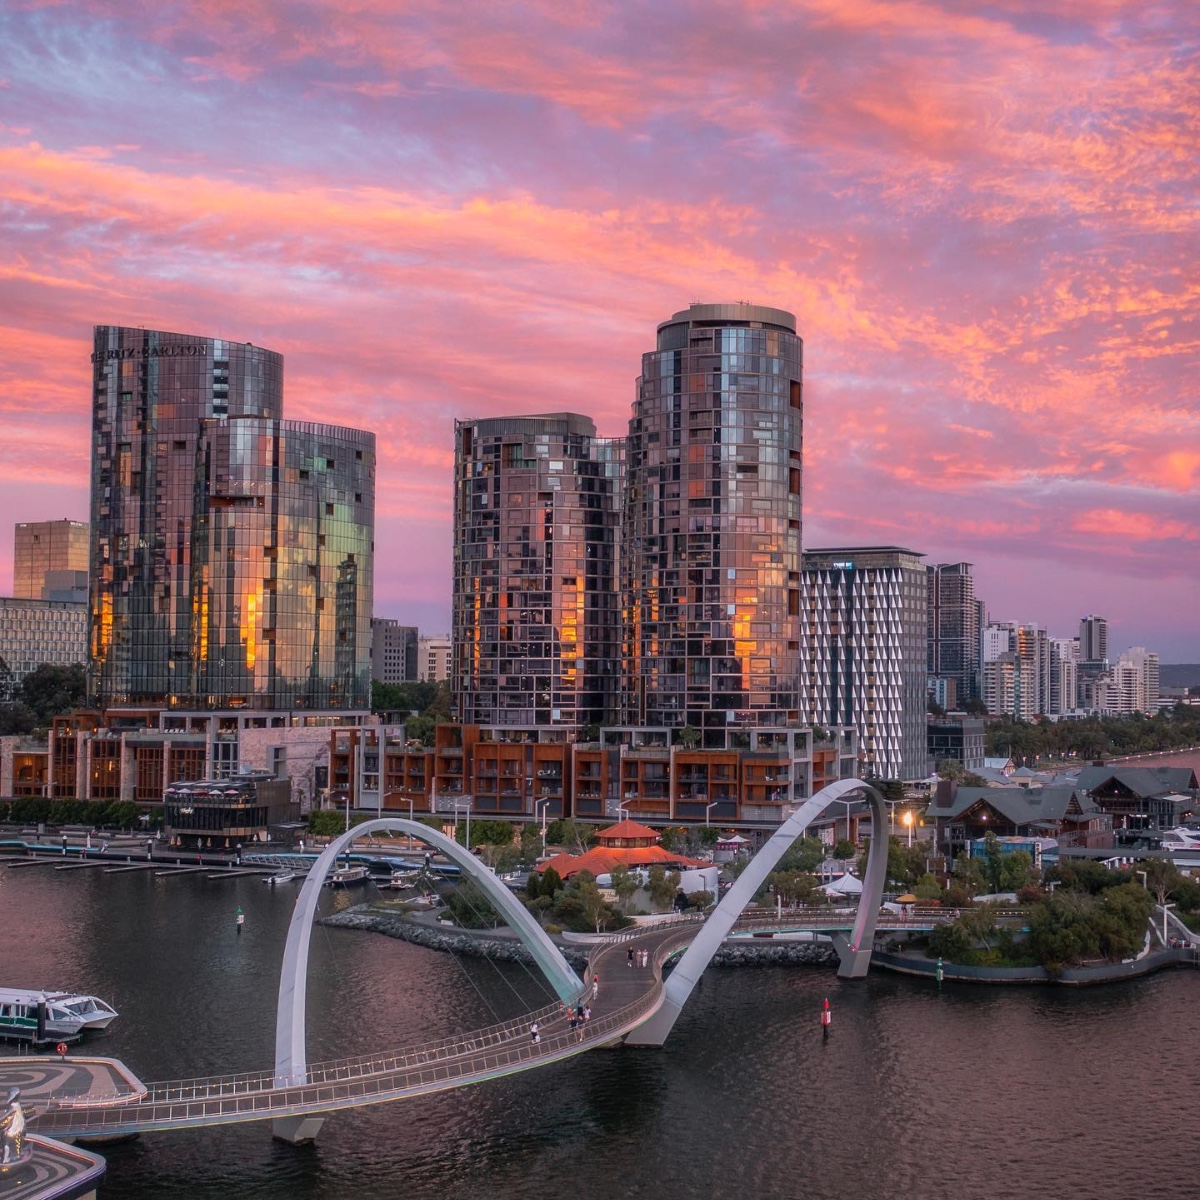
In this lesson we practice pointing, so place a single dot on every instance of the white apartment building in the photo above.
(433, 658)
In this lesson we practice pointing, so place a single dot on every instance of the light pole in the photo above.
(708, 809)
(543, 804)
(908, 824)
(1164, 908)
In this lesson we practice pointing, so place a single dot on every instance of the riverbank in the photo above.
(504, 946)
(1147, 964)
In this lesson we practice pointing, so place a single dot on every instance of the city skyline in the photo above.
(434, 222)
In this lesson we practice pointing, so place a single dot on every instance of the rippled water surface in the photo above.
(962, 1092)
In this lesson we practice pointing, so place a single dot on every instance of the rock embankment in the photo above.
(757, 953)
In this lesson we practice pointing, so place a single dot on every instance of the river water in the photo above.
(919, 1092)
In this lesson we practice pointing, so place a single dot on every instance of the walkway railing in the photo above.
(345, 1083)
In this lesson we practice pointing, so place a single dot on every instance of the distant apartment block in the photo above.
(956, 736)
(50, 560)
(1131, 685)
(954, 659)
(394, 651)
(1093, 640)
(434, 655)
(1064, 676)
(39, 631)
(1016, 669)
(866, 626)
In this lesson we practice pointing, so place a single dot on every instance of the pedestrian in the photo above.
(595, 987)
(629, 955)
(587, 1013)
(534, 1036)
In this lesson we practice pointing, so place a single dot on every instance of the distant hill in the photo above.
(1179, 674)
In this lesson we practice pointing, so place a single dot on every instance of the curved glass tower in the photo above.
(535, 601)
(231, 551)
(711, 566)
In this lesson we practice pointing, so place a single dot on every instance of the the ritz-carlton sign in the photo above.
(178, 350)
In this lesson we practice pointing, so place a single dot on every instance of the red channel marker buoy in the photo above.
(826, 1018)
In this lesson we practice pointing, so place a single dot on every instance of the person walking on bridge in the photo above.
(629, 955)
(534, 1035)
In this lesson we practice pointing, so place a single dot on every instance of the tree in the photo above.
(420, 729)
(574, 836)
(844, 849)
(592, 901)
(927, 888)
(470, 907)
(1162, 877)
(531, 843)
(805, 854)
(689, 737)
(793, 887)
(700, 900)
(625, 883)
(968, 873)
(662, 886)
(952, 769)
(50, 691)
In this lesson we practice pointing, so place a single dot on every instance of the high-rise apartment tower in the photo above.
(954, 648)
(711, 547)
(536, 625)
(231, 561)
(866, 617)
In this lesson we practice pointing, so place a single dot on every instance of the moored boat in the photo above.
(345, 876)
(281, 877)
(402, 881)
(67, 1014)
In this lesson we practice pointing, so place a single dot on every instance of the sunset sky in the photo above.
(984, 216)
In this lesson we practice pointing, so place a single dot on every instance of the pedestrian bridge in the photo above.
(630, 1004)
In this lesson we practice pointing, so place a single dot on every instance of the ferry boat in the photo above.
(345, 876)
(67, 1013)
(403, 881)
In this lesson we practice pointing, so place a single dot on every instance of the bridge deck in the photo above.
(624, 996)
(622, 1002)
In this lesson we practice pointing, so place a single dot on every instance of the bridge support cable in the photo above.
(854, 953)
(291, 1057)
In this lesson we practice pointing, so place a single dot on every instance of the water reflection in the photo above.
(952, 1092)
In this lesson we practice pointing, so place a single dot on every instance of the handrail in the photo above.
(392, 1074)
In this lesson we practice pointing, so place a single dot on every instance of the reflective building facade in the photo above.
(536, 622)
(231, 557)
(711, 545)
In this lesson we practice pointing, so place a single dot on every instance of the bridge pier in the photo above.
(852, 963)
(298, 1131)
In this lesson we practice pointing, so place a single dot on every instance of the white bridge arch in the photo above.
(291, 1055)
(855, 954)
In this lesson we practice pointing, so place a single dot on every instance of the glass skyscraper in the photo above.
(711, 547)
(536, 624)
(231, 552)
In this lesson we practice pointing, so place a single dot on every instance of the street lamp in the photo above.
(847, 803)
(908, 823)
(543, 804)
(708, 809)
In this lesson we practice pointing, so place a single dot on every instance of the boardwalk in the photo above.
(625, 996)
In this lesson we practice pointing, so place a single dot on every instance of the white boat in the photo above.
(345, 876)
(1181, 838)
(403, 881)
(281, 877)
(67, 1013)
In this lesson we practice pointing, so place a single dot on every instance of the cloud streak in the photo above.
(982, 216)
